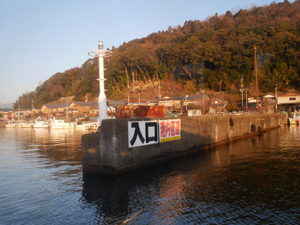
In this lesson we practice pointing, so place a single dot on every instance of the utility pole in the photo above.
(158, 90)
(246, 90)
(186, 105)
(31, 114)
(128, 98)
(139, 97)
(203, 100)
(276, 106)
(242, 92)
(256, 80)
(67, 108)
(19, 114)
(102, 102)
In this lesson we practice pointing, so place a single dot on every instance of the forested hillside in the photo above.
(212, 54)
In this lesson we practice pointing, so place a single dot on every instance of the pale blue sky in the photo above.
(39, 38)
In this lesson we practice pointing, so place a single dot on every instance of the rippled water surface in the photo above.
(252, 181)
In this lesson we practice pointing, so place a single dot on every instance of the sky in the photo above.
(40, 38)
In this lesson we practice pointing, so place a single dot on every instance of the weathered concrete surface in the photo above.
(108, 152)
(2, 124)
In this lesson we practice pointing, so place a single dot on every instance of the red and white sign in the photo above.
(169, 130)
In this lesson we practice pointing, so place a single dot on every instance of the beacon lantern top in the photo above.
(100, 45)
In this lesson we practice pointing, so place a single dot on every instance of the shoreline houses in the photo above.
(269, 103)
(289, 101)
(193, 105)
(71, 111)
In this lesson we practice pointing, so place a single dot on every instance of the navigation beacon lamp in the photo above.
(102, 104)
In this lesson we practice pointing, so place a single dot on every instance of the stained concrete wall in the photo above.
(108, 151)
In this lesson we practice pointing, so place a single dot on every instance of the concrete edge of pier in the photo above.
(108, 151)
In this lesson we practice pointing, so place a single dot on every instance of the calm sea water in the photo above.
(252, 181)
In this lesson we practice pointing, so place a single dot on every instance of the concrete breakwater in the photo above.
(127, 144)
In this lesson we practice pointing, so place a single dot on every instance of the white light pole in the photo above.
(246, 90)
(276, 106)
(186, 102)
(242, 92)
(102, 104)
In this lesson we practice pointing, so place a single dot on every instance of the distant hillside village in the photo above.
(213, 54)
(190, 105)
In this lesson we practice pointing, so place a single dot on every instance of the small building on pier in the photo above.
(289, 102)
(54, 108)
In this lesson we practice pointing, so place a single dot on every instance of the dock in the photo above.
(121, 145)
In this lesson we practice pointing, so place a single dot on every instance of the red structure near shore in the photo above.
(128, 111)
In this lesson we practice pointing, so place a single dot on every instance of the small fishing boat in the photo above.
(91, 126)
(61, 124)
(39, 123)
(87, 126)
(11, 124)
(295, 119)
(24, 124)
(19, 124)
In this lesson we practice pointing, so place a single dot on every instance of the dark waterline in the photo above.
(252, 181)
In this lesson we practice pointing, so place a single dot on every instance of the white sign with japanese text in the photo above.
(142, 133)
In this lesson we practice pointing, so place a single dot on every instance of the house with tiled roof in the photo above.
(85, 108)
(289, 101)
(54, 108)
(170, 102)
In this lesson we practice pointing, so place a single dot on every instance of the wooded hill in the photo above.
(212, 54)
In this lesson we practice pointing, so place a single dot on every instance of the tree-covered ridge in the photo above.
(212, 54)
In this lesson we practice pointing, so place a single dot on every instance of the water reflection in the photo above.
(249, 181)
(38, 170)
(56, 145)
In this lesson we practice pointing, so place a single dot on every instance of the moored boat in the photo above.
(61, 124)
(20, 124)
(91, 126)
(295, 119)
(11, 124)
(39, 123)
(25, 125)
(87, 125)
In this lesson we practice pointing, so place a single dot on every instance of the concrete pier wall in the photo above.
(108, 151)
